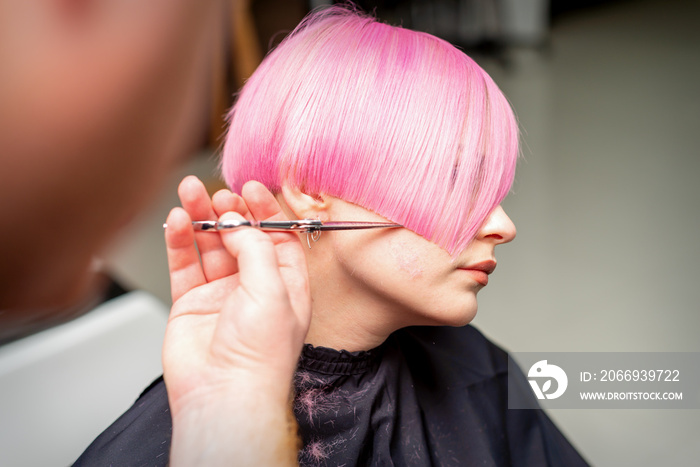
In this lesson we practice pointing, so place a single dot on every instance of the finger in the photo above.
(195, 199)
(260, 311)
(224, 201)
(293, 269)
(262, 203)
(183, 260)
(259, 272)
(264, 206)
(216, 261)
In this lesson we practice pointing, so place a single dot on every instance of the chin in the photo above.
(454, 318)
(462, 320)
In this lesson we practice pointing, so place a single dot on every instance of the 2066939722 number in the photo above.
(640, 375)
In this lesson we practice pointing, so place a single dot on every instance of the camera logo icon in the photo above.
(543, 370)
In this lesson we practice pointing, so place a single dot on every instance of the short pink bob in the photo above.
(396, 121)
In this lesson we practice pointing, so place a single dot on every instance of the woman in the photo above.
(353, 120)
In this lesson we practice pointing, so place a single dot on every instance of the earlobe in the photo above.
(303, 205)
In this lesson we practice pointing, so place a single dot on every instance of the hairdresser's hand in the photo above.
(236, 329)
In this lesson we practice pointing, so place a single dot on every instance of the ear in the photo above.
(305, 206)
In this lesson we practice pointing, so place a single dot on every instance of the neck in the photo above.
(344, 316)
(342, 328)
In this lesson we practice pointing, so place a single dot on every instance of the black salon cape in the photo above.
(427, 396)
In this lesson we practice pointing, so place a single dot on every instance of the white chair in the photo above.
(62, 387)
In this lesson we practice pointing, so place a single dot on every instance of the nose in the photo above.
(498, 227)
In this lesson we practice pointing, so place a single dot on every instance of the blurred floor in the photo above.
(605, 202)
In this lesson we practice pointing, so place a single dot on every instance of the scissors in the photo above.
(300, 225)
(312, 227)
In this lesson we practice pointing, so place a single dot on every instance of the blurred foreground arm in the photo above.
(237, 326)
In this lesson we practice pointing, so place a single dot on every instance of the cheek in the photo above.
(406, 258)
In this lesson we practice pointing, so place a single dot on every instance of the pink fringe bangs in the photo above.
(396, 121)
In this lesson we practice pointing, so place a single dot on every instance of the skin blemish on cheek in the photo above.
(406, 258)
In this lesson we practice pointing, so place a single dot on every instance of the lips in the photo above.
(480, 271)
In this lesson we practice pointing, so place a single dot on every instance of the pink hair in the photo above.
(393, 120)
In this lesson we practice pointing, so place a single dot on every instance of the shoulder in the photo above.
(458, 371)
(140, 436)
